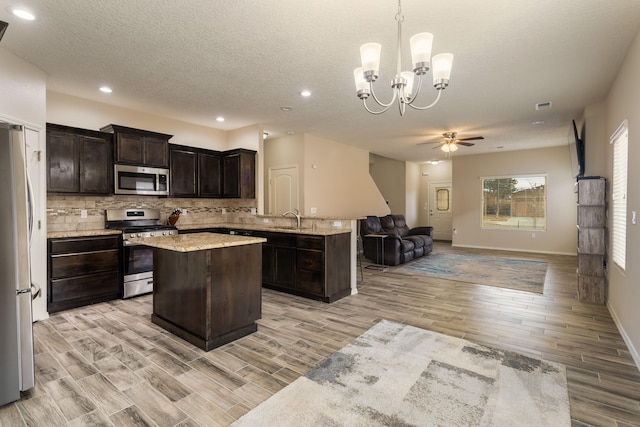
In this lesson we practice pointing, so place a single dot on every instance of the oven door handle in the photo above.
(129, 243)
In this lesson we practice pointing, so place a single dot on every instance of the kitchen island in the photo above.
(207, 286)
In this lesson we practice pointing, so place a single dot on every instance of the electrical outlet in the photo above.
(184, 211)
(253, 211)
(337, 223)
(314, 211)
(265, 220)
(533, 235)
(83, 213)
(224, 211)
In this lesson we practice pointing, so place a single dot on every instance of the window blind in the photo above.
(619, 195)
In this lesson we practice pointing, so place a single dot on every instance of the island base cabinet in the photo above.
(208, 297)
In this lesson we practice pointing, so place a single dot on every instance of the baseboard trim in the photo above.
(514, 250)
(635, 355)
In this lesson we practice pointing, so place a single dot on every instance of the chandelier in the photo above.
(404, 85)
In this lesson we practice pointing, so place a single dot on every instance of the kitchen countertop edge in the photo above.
(82, 233)
(197, 241)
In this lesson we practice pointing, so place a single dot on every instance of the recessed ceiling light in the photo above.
(290, 132)
(23, 13)
(434, 162)
(265, 135)
(286, 109)
(106, 89)
(539, 122)
(219, 119)
(305, 93)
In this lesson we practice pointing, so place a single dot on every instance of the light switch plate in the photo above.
(633, 217)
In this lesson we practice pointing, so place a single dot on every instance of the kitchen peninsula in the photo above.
(207, 286)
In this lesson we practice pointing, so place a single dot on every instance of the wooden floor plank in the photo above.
(98, 364)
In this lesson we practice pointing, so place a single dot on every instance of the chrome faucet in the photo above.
(295, 213)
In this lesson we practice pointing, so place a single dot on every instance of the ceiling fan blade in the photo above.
(472, 138)
(466, 144)
(429, 142)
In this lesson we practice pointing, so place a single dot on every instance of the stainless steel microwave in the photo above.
(141, 180)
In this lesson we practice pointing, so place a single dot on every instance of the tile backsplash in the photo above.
(68, 213)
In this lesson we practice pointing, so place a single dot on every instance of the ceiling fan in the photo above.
(451, 142)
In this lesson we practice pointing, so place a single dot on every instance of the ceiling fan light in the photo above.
(453, 147)
(445, 148)
(370, 57)
(442, 64)
(421, 44)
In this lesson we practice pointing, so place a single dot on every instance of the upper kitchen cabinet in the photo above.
(140, 147)
(209, 174)
(79, 161)
(194, 172)
(239, 174)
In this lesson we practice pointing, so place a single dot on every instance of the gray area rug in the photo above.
(399, 375)
(520, 274)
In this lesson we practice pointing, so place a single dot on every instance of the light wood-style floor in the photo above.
(107, 364)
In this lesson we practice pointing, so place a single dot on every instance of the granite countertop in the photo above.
(275, 229)
(197, 241)
(81, 233)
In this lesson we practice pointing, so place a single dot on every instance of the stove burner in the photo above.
(138, 223)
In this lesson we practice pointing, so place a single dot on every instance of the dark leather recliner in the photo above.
(402, 243)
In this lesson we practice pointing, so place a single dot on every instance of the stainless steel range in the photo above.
(137, 260)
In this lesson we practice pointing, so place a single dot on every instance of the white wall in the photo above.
(23, 101)
(78, 112)
(332, 177)
(412, 196)
(339, 184)
(390, 177)
(623, 102)
(560, 236)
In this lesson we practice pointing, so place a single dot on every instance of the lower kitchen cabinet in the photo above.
(82, 271)
(312, 266)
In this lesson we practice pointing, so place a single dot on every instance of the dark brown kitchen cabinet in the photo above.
(79, 161)
(195, 172)
(209, 174)
(183, 169)
(239, 174)
(83, 270)
(140, 147)
(312, 266)
(278, 260)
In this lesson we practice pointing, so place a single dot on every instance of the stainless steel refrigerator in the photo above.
(16, 220)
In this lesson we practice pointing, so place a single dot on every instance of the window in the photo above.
(514, 203)
(619, 139)
(442, 200)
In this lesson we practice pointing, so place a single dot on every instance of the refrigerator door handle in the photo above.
(30, 203)
(35, 290)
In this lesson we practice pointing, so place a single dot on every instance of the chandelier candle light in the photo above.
(403, 83)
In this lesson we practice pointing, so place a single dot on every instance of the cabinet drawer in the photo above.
(311, 282)
(278, 239)
(310, 260)
(83, 264)
(81, 287)
(84, 244)
(591, 241)
(310, 242)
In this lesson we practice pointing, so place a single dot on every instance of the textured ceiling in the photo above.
(244, 59)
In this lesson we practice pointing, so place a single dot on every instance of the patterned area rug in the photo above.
(399, 375)
(520, 274)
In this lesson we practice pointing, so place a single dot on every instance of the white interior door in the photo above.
(283, 189)
(440, 214)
